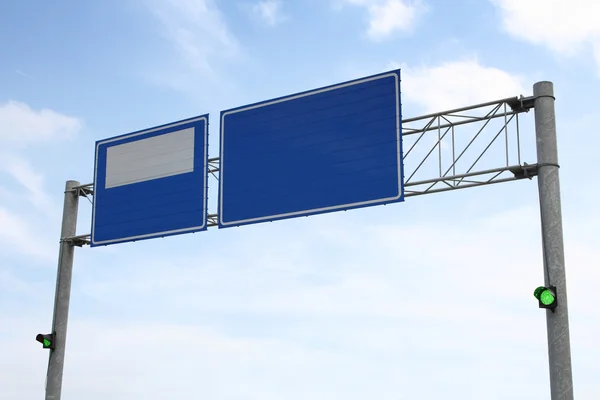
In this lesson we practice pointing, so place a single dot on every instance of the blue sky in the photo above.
(429, 298)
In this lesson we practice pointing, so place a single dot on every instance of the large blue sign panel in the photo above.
(151, 183)
(324, 150)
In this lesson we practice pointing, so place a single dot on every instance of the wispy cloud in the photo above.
(199, 35)
(566, 28)
(20, 236)
(269, 12)
(23, 125)
(18, 71)
(23, 172)
(387, 17)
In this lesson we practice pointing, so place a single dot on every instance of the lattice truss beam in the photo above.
(465, 147)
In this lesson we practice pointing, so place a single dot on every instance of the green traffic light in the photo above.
(547, 297)
(47, 340)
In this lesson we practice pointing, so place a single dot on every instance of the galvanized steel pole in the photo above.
(559, 344)
(63, 292)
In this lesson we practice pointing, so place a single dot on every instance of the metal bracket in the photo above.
(521, 104)
(86, 191)
(525, 171)
(79, 240)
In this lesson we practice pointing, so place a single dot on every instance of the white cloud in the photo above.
(187, 361)
(18, 235)
(387, 17)
(269, 12)
(23, 172)
(372, 269)
(457, 83)
(390, 305)
(21, 125)
(565, 27)
(200, 36)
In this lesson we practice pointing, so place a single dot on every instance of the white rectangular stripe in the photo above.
(156, 157)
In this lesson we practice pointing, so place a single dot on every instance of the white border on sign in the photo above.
(145, 132)
(297, 96)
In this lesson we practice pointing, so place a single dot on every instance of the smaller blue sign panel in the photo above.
(334, 148)
(151, 183)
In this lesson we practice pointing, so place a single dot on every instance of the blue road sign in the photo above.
(151, 183)
(334, 148)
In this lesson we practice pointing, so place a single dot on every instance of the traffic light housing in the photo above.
(46, 340)
(546, 296)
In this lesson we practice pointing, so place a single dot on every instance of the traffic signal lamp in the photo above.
(47, 340)
(546, 297)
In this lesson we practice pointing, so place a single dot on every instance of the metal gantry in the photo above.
(461, 148)
(440, 156)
